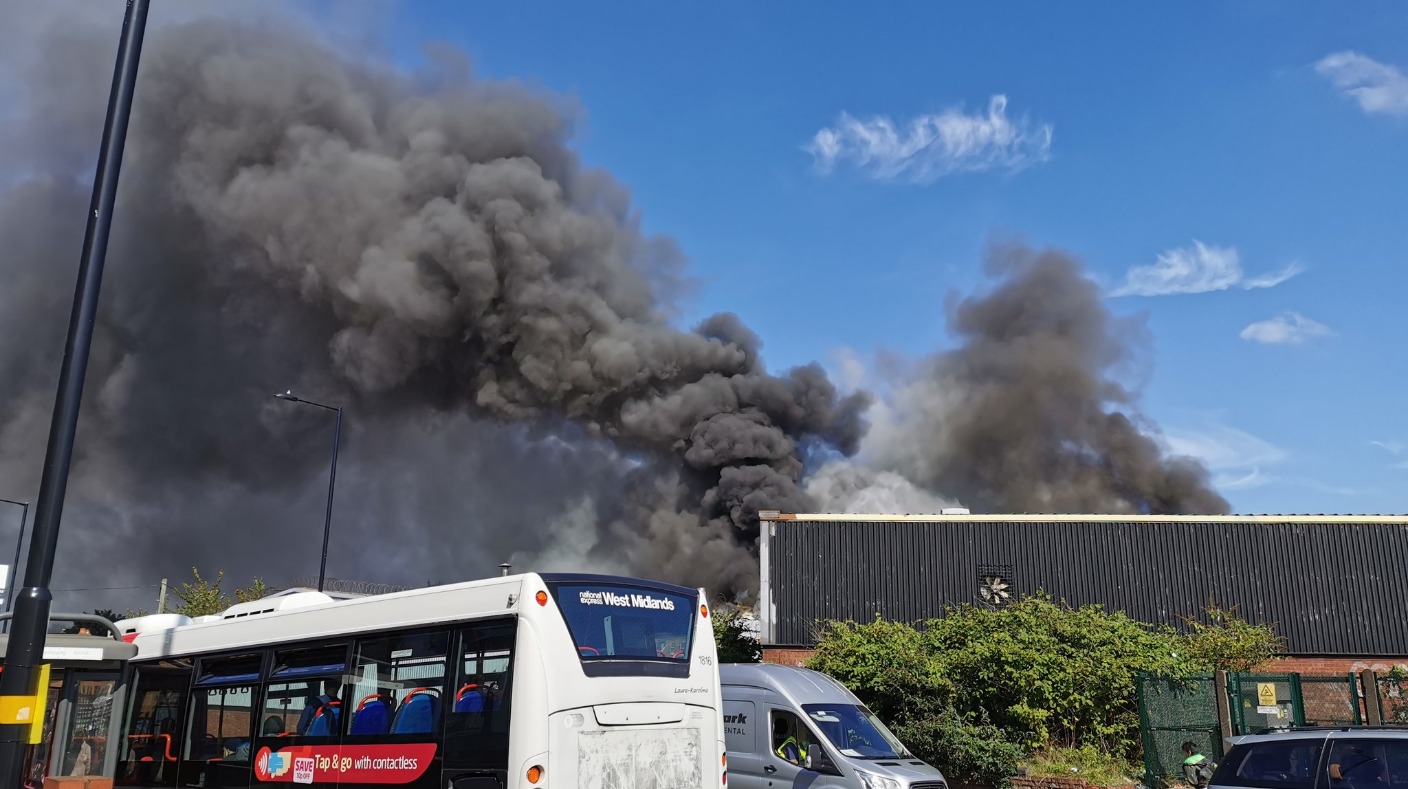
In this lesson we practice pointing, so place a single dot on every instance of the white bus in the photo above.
(535, 680)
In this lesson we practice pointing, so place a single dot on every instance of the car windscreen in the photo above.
(855, 731)
(1272, 763)
(611, 621)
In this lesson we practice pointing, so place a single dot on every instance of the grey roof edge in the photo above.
(774, 516)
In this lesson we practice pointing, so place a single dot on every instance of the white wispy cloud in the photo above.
(1392, 447)
(1378, 87)
(932, 146)
(1237, 458)
(1288, 328)
(1200, 268)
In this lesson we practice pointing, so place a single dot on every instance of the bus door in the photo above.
(82, 703)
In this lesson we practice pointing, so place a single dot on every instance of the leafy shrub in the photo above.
(1228, 643)
(974, 691)
(734, 638)
(1063, 676)
(964, 751)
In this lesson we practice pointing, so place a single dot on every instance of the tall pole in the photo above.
(31, 613)
(15, 568)
(327, 515)
(332, 476)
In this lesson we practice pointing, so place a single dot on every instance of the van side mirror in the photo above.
(818, 761)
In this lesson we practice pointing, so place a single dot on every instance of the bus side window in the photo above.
(476, 731)
(397, 688)
(304, 697)
(220, 726)
(152, 739)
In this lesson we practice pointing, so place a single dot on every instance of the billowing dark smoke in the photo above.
(1026, 413)
(424, 249)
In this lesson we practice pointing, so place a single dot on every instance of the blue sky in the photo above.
(1253, 155)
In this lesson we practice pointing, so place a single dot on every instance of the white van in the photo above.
(829, 738)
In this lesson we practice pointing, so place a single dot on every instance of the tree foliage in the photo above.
(979, 688)
(1226, 642)
(203, 597)
(734, 637)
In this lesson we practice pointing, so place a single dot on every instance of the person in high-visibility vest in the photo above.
(789, 749)
(1197, 768)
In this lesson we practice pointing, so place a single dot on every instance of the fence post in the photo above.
(1222, 692)
(1373, 706)
(1297, 700)
(1146, 734)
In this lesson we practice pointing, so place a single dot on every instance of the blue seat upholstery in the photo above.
(418, 713)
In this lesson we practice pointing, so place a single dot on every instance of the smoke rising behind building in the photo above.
(427, 250)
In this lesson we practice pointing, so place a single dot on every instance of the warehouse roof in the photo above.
(774, 515)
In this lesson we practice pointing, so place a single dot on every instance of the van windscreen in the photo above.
(617, 621)
(855, 731)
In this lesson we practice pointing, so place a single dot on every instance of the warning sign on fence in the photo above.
(1266, 694)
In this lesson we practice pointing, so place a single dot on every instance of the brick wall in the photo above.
(1331, 665)
(787, 655)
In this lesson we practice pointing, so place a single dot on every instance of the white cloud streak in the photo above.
(1392, 447)
(1380, 89)
(1197, 269)
(932, 146)
(1236, 458)
(1289, 328)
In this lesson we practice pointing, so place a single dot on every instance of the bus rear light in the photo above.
(541, 597)
(704, 611)
(725, 761)
(535, 773)
(130, 637)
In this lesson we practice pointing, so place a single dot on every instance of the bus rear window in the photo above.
(615, 621)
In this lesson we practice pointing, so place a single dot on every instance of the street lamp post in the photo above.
(15, 568)
(332, 476)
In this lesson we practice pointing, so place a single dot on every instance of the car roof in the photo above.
(798, 685)
(1322, 732)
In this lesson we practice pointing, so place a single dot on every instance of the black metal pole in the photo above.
(332, 480)
(15, 568)
(332, 476)
(31, 612)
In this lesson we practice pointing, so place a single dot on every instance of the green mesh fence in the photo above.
(1393, 696)
(1172, 712)
(1263, 701)
(1330, 700)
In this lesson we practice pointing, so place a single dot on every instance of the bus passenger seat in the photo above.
(372, 716)
(469, 699)
(325, 720)
(418, 712)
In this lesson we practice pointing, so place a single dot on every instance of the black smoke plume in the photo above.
(425, 249)
(422, 248)
(1027, 413)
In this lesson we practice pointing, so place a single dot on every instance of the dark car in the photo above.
(1317, 758)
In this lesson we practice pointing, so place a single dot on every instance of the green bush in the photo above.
(1228, 643)
(965, 751)
(1058, 675)
(976, 690)
(733, 638)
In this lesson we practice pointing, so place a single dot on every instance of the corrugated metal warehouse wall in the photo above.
(1331, 587)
